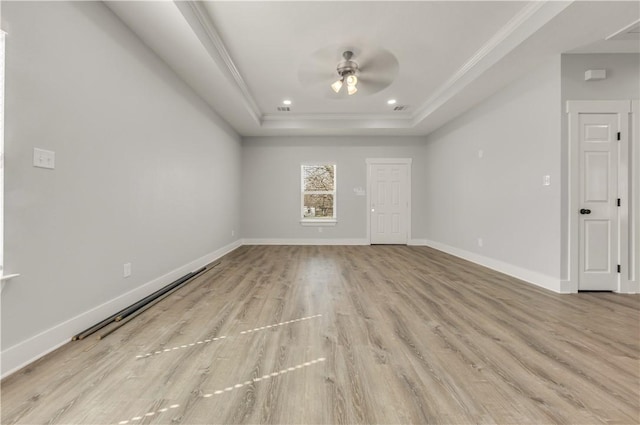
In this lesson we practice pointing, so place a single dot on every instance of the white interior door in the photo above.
(598, 215)
(389, 203)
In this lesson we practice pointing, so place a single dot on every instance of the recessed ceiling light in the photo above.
(391, 102)
(286, 102)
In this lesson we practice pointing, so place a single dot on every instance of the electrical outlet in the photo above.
(233, 233)
(546, 180)
(127, 270)
(480, 242)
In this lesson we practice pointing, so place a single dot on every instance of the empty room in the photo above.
(320, 212)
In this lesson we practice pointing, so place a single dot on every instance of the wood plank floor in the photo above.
(345, 334)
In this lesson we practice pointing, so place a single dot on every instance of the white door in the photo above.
(389, 203)
(598, 215)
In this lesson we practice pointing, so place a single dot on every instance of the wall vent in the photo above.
(400, 108)
(284, 109)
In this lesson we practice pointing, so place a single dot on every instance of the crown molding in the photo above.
(199, 20)
(335, 117)
(336, 121)
(526, 22)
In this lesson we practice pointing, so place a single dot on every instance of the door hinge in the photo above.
(618, 201)
(618, 268)
(618, 135)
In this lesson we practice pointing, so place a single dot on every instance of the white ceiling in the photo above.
(436, 58)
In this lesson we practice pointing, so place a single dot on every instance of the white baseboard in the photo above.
(31, 349)
(417, 242)
(305, 242)
(536, 278)
(567, 287)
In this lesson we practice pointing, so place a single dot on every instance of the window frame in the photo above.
(315, 221)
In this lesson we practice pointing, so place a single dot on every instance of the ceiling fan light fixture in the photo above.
(337, 85)
(347, 71)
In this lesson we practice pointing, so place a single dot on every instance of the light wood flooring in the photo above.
(348, 334)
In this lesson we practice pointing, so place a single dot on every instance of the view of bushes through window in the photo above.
(318, 189)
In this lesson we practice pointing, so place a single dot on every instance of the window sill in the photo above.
(318, 222)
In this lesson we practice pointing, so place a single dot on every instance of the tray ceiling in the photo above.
(245, 58)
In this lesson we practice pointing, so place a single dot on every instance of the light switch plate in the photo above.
(44, 159)
(126, 270)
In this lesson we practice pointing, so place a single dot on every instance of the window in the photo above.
(318, 193)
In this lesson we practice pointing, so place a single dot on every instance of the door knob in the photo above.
(585, 211)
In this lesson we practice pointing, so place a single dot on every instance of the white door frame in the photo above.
(403, 161)
(628, 212)
(4, 278)
(2, 60)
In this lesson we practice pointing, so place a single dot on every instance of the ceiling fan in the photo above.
(366, 70)
(347, 70)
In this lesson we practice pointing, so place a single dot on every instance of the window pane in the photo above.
(318, 177)
(318, 206)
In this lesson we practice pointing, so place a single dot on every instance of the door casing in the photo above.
(627, 191)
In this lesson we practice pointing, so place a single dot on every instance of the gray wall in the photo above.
(500, 197)
(271, 184)
(145, 172)
(622, 82)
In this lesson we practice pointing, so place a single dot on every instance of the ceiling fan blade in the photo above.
(320, 66)
(380, 62)
(367, 86)
(376, 80)
(314, 75)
